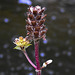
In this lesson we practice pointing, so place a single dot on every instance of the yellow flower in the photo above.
(21, 43)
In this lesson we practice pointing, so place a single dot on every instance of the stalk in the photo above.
(38, 71)
(36, 30)
(25, 53)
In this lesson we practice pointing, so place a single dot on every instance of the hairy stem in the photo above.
(25, 53)
(38, 72)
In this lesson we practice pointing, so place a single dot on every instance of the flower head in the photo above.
(35, 23)
(21, 43)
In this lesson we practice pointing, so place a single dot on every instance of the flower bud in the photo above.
(46, 63)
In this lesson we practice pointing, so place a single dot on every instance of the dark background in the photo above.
(60, 44)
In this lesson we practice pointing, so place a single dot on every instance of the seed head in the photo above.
(35, 23)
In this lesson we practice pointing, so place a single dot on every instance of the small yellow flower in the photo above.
(21, 43)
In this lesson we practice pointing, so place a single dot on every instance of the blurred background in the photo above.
(60, 43)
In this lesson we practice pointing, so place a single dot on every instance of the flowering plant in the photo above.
(36, 30)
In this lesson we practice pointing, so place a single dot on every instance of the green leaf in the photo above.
(27, 46)
(17, 47)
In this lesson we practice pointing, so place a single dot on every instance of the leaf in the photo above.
(27, 46)
(17, 47)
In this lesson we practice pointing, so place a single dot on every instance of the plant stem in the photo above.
(25, 53)
(38, 72)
